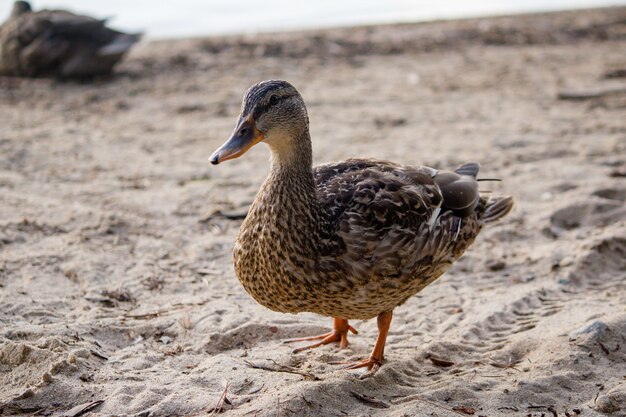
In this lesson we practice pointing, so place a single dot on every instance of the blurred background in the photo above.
(186, 18)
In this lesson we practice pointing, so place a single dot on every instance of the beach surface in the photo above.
(117, 291)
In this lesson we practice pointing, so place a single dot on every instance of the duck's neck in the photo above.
(292, 155)
(289, 190)
(291, 171)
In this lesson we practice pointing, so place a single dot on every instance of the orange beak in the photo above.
(245, 136)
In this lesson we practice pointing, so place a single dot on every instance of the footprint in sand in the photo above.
(606, 209)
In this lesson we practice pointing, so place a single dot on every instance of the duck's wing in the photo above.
(379, 192)
(386, 220)
(92, 47)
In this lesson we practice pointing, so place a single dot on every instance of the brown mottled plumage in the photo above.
(349, 240)
(59, 43)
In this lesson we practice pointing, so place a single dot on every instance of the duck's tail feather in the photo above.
(122, 43)
(497, 207)
(470, 169)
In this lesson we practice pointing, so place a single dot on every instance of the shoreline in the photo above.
(565, 21)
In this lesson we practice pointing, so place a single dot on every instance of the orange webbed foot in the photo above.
(338, 334)
(375, 360)
(372, 364)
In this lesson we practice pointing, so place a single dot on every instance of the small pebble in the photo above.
(597, 328)
(496, 265)
(567, 261)
(413, 78)
(606, 404)
(547, 196)
(26, 394)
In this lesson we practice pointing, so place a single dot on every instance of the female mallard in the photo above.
(59, 43)
(350, 240)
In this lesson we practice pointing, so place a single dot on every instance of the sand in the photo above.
(117, 291)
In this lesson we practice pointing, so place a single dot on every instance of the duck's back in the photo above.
(59, 43)
(391, 230)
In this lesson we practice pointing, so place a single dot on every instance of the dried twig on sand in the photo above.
(228, 216)
(370, 400)
(165, 311)
(79, 410)
(432, 403)
(220, 403)
(439, 361)
(464, 409)
(282, 368)
(590, 93)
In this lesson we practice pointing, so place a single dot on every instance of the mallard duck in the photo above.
(348, 240)
(59, 43)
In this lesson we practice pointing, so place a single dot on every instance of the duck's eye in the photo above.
(273, 100)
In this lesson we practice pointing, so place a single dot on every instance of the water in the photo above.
(185, 18)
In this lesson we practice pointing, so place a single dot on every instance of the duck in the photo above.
(349, 240)
(58, 43)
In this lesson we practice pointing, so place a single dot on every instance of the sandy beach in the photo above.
(117, 290)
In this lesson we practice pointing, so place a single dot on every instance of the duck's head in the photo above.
(20, 7)
(272, 112)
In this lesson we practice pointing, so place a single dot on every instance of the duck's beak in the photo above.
(245, 136)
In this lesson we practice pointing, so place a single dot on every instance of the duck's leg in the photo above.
(338, 334)
(374, 361)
